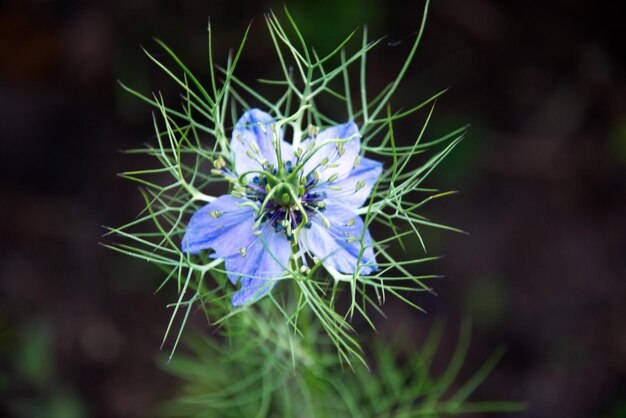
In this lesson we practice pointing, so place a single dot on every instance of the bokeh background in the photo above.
(542, 177)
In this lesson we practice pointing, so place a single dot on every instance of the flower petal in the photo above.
(354, 189)
(263, 261)
(339, 246)
(223, 225)
(341, 155)
(252, 142)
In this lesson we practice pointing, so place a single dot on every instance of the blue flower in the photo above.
(287, 204)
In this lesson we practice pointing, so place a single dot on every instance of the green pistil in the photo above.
(286, 190)
(285, 194)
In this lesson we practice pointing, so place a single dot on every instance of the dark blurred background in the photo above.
(541, 175)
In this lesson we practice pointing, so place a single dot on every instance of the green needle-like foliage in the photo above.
(261, 381)
(193, 135)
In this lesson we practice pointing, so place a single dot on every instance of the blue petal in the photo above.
(336, 246)
(223, 225)
(340, 157)
(259, 267)
(256, 126)
(357, 186)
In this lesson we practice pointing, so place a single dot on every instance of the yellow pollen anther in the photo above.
(219, 163)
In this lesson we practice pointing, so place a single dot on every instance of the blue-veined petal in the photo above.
(252, 142)
(258, 266)
(340, 155)
(223, 225)
(354, 189)
(339, 246)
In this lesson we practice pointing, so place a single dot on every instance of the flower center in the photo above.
(286, 198)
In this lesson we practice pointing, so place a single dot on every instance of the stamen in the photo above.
(219, 164)
(312, 130)
(215, 214)
(325, 221)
